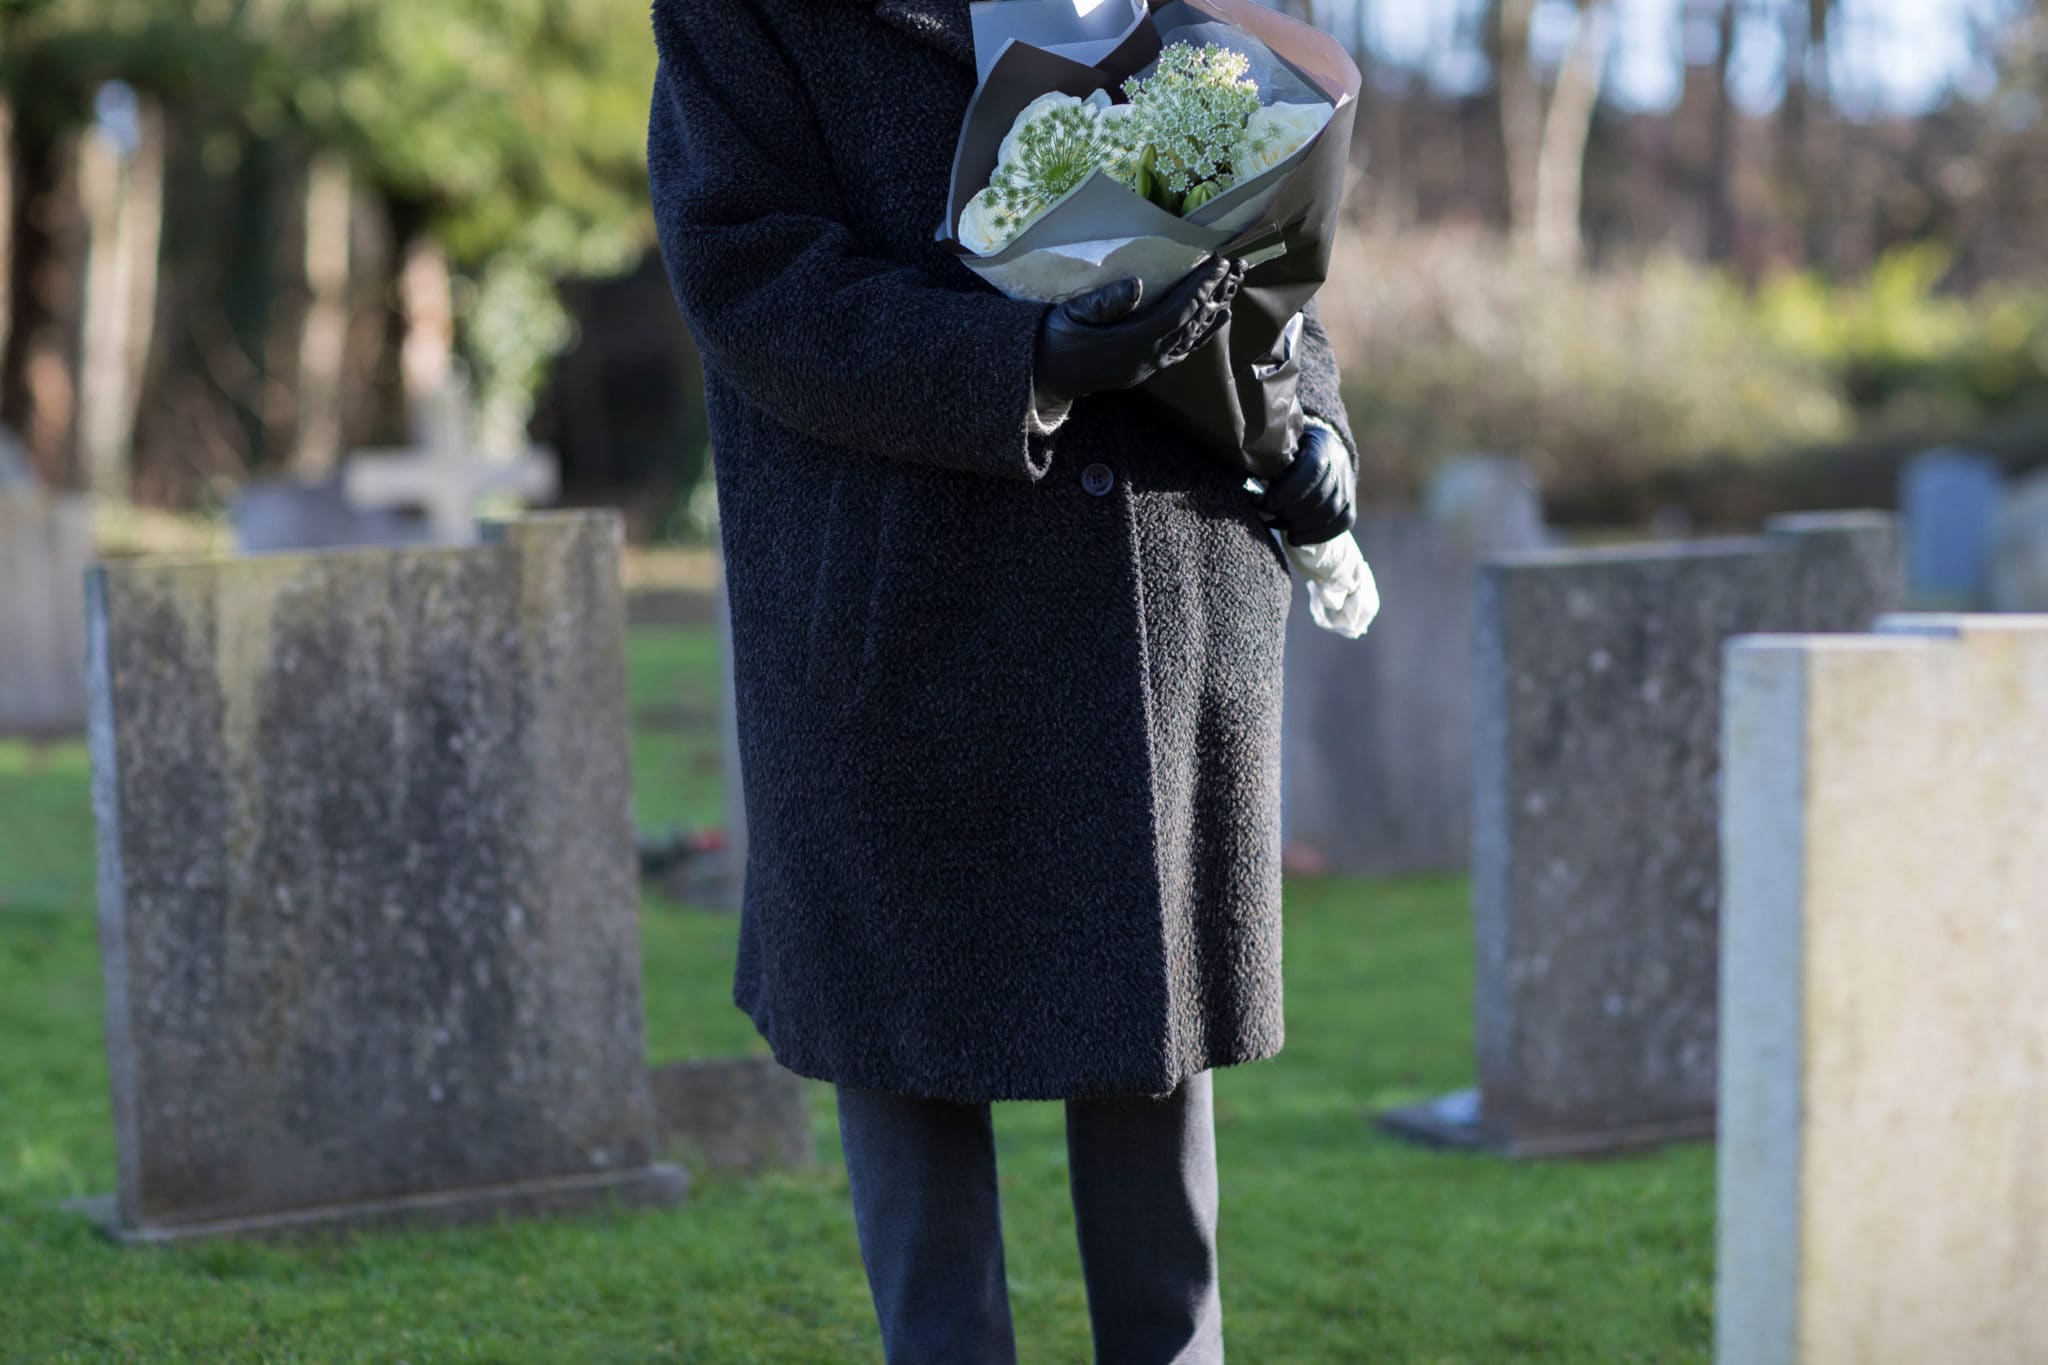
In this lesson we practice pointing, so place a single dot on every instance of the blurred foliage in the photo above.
(1908, 355)
(511, 131)
(514, 126)
(1453, 341)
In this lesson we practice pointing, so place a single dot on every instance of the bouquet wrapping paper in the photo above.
(1233, 394)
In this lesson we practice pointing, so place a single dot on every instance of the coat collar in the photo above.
(942, 24)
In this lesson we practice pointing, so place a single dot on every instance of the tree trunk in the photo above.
(1721, 213)
(1567, 127)
(1521, 109)
(323, 342)
(122, 191)
(39, 368)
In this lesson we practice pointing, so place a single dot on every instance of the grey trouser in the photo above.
(1143, 1178)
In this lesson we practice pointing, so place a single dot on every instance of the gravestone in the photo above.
(1596, 872)
(17, 476)
(284, 514)
(733, 883)
(368, 903)
(2019, 556)
(448, 477)
(1376, 772)
(733, 1113)
(1884, 1060)
(1949, 499)
(45, 545)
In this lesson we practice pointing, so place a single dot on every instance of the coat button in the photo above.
(1098, 479)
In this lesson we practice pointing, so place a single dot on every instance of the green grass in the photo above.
(1338, 1244)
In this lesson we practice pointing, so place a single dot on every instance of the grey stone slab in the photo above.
(367, 877)
(1884, 1055)
(1949, 500)
(1376, 733)
(45, 546)
(2019, 556)
(729, 887)
(1596, 879)
(734, 1114)
(286, 515)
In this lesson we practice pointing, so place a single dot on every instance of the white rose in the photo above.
(1286, 128)
(977, 227)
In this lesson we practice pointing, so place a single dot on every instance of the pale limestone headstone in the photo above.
(2019, 553)
(1884, 1050)
(1949, 502)
(1376, 766)
(368, 889)
(449, 476)
(1596, 873)
(45, 546)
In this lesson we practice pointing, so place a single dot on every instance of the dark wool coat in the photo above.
(1009, 705)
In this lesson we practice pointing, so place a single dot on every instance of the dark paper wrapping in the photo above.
(1233, 394)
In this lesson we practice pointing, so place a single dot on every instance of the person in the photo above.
(1006, 655)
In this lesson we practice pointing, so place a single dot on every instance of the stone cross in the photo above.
(446, 476)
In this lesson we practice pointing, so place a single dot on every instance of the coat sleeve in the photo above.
(1322, 393)
(854, 351)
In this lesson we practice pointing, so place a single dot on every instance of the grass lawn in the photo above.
(1338, 1245)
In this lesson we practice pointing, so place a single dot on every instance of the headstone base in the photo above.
(1456, 1123)
(657, 1186)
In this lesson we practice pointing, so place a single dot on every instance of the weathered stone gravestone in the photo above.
(449, 477)
(45, 545)
(1884, 1055)
(2019, 555)
(1596, 872)
(368, 902)
(733, 884)
(1949, 500)
(1376, 733)
(283, 514)
(734, 1113)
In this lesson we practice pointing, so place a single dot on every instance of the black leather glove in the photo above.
(1316, 498)
(1104, 340)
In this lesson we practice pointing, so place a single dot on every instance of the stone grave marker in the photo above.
(1376, 772)
(448, 477)
(45, 546)
(284, 514)
(17, 476)
(732, 886)
(2019, 555)
(1949, 499)
(734, 1113)
(1884, 1055)
(368, 891)
(1596, 872)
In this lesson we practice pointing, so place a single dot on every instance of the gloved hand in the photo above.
(1104, 340)
(1316, 498)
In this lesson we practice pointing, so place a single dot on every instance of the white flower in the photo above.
(977, 227)
(1007, 153)
(1275, 133)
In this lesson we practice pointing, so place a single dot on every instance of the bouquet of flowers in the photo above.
(1138, 138)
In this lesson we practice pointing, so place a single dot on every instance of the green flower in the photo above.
(1194, 111)
(1057, 142)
